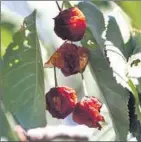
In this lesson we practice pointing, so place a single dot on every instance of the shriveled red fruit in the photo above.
(87, 112)
(60, 101)
(70, 24)
(70, 58)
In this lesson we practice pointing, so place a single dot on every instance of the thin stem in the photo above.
(58, 5)
(55, 77)
(84, 85)
(62, 5)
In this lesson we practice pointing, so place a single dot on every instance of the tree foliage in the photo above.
(115, 67)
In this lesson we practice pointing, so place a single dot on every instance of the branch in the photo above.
(58, 5)
(55, 77)
(53, 132)
(84, 85)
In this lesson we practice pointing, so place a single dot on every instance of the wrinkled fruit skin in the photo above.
(70, 24)
(87, 112)
(60, 101)
(75, 59)
(71, 59)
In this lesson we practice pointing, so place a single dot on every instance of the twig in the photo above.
(62, 5)
(58, 5)
(55, 77)
(84, 85)
(55, 132)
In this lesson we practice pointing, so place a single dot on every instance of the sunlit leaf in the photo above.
(116, 52)
(134, 66)
(113, 34)
(102, 4)
(116, 97)
(95, 20)
(8, 27)
(23, 79)
(115, 57)
(127, 73)
(7, 125)
(5, 39)
(129, 68)
(67, 4)
(133, 9)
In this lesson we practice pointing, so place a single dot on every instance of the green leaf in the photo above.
(89, 39)
(134, 66)
(8, 27)
(116, 53)
(115, 56)
(23, 78)
(67, 4)
(5, 39)
(115, 96)
(135, 125)
(95, 20)
(113, 34)
(133, 9)
(130, 46)
(102, 4)
(7, 124)
(137, 43)
(137, 100)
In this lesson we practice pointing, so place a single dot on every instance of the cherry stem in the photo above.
(62, 5)
(84, 85)
(55, 77)
(58, 5)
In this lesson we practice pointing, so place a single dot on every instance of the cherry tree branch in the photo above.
(58, 5)
(55, 77)
(53, 132)
(84, 85)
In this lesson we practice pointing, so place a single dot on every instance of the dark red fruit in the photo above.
(60, 101)
(70, 24)
(87, 112)
(70, 58)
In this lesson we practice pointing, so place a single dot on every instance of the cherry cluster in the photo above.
(70, 25)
